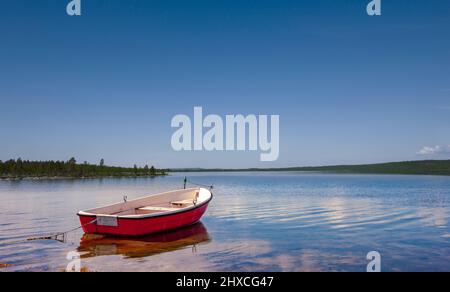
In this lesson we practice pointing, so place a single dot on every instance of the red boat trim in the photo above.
(153, 215)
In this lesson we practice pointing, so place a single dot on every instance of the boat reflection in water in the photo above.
(98, 245)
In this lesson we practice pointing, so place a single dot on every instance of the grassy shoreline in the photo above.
(422, 167)
(50, 170)
(37, 178)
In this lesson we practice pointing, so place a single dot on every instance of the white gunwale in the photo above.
(156, 201)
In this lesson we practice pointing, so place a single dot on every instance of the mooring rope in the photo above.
(55, 237)
(63, 235)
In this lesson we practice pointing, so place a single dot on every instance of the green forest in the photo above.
(19, 169)
(423, 167)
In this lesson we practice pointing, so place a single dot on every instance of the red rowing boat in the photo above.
(148, 215)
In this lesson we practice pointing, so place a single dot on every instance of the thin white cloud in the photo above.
(434, 150)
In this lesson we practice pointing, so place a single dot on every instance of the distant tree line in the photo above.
(422, 167)
(70, 169)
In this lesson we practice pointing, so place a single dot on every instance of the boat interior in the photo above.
(160, 203)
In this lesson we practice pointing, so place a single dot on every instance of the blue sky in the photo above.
(349, 88)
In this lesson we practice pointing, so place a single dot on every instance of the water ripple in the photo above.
(256, 222)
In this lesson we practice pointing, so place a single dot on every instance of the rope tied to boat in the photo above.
(60, 237)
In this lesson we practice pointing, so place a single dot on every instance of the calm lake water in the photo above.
(256, 222)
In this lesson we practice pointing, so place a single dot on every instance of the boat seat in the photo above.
(162, 209)
(182, 203)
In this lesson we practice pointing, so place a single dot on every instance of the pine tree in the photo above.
(71, 166)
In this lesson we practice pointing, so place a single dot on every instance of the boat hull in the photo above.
(134, 227)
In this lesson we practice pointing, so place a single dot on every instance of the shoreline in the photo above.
(38, 178)
(419, 167)
(308, 172)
